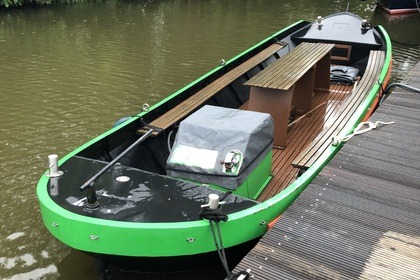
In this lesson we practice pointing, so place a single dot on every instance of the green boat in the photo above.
(228, 153)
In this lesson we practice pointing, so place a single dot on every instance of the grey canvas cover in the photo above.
(206, 136)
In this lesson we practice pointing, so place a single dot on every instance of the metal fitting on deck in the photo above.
(213, 202)
(53, 166)
(319, 20)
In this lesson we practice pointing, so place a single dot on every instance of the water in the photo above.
(68, 72)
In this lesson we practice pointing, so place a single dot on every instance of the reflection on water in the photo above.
(404, 31)
(68, 72)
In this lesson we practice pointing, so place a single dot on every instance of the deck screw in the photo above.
(191, 239)
(54, 224)
(263, 222)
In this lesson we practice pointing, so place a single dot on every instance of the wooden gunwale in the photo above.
(188, 106)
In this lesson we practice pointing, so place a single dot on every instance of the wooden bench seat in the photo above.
(291, 82)
(285, 72)
(188, 106)
(312, 152)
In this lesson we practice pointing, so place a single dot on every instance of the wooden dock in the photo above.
(360, 217)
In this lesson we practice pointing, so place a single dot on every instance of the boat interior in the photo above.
(307, 131)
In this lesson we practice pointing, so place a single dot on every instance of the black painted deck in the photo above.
(138, 196)
(360, 217)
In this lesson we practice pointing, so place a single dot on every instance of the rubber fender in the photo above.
(120, 121)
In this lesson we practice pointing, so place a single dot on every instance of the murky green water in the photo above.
(67, 73)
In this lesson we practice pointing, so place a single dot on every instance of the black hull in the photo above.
(400, 6)
(176, 264)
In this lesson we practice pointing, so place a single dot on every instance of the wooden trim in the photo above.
(346, 48)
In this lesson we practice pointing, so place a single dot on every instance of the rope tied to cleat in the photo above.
(212, 212)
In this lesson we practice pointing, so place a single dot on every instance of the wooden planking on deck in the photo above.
(360, 217)
(299, 136)
(313, 151)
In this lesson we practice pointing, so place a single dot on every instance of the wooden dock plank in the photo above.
(360, 217)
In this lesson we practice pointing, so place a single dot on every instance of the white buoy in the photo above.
(53, 166)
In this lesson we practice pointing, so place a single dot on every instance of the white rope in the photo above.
(335, 140)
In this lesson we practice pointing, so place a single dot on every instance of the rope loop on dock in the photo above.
(336, 140)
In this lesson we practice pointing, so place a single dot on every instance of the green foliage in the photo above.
(17, 3)
(10, 3)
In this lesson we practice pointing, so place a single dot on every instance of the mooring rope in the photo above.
(215, 216)
(335, 140)
(218, 242)
(387, 91)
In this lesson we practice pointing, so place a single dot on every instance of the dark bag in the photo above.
(343, 74)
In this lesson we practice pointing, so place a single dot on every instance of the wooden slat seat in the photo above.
(284, 74)
(312, 152)
(290, 82)
(191, 104)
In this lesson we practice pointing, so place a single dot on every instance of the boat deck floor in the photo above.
(136, 196)
(300, 135)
